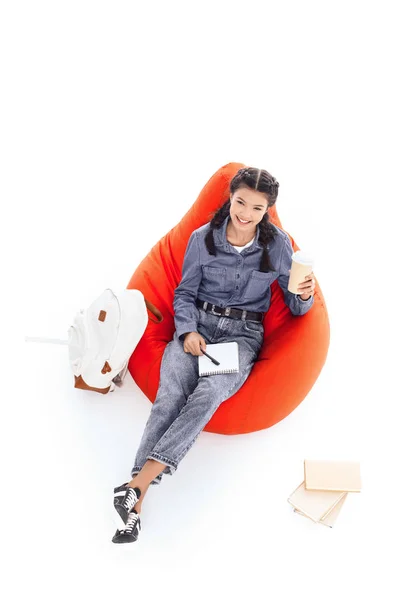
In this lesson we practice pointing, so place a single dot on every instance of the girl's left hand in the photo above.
(307, 287)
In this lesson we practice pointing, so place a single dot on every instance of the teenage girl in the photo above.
(225, 291)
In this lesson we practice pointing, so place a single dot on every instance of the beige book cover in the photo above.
(330, 519)
(314, 504)
(330, 475)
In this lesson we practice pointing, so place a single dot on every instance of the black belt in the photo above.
(229, 311)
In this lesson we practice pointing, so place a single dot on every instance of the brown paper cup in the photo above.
(302, 265)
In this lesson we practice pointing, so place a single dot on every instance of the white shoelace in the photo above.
(131, 522)
(130, 500)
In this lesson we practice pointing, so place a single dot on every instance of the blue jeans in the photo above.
(186, 402)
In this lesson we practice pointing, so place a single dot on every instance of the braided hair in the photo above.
(259, 180)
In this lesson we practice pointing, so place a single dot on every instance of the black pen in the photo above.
(210, 357)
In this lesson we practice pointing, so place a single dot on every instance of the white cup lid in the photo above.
(302, 257)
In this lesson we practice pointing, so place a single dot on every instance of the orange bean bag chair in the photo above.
(294, 349)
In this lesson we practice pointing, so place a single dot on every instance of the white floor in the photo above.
(117, 116)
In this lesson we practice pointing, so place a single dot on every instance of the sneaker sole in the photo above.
(124, 539)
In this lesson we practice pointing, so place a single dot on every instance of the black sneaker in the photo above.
(125, 499)
(131, 530)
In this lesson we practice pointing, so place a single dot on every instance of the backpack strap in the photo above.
(44, 340)
(82, 385)
(150, 306)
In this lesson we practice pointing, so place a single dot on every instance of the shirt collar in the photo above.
(220, 235)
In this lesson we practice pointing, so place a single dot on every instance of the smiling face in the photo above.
(249, 206)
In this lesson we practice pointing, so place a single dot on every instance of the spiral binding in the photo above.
(218, 372)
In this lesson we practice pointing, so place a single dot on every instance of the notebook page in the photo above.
(226, 353)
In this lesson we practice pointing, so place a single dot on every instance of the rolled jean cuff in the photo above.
(171, 467)
(170, 464)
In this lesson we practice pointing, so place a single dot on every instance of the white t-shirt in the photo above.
(240, 248)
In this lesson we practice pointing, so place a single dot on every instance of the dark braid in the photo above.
(259, 180)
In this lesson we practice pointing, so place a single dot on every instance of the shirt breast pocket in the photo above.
(214, 278)
(258, 285)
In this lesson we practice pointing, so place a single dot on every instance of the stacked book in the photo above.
(321, 495)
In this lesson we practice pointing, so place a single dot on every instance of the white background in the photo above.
(114, 115)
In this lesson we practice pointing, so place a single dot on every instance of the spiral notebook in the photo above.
(226, 353)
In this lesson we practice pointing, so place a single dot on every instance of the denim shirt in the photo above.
(232, 278)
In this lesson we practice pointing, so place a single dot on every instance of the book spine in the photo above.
(326, 488)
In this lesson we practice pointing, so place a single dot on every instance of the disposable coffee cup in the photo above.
(302, 265)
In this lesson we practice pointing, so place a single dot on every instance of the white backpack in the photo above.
(103, 337)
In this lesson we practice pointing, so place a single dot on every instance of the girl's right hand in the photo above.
(193, 342)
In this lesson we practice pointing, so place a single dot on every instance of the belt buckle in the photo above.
(212, 311)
